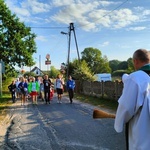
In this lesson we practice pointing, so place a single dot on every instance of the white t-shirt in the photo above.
(59, 83)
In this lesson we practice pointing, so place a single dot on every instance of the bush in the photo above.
(5, 83)
(119, 73)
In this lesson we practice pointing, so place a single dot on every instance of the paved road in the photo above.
(59, 127)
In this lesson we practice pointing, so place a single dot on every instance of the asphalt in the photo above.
(6, 122)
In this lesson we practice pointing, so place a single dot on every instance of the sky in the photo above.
(116, 27)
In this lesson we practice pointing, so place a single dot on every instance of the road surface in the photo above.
(58, 127)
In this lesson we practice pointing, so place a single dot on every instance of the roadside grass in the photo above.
(4, 104)
(5, 99)
(101, 102)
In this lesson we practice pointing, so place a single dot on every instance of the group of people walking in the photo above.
(24, 88)
(43, 88)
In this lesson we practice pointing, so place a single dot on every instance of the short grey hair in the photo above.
(143, 55)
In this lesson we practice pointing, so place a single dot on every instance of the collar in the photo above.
(145, 67)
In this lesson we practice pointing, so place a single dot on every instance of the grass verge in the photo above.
(5, 101)
(105, 103)
(4, 104)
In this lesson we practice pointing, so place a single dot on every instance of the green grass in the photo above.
(6, 83)
(4, 104)
(105, 103)
(5, 99)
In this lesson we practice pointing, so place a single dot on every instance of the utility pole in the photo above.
(71, 28)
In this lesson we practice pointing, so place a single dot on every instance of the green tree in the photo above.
(83, 72)
(17, 43)
(53, 72)
(123, 65)
(10, 72)
(95, 61)
(28, 74)
(119, 73)
(73, 65)
(104, 67)
(113, 64)
(130, 65)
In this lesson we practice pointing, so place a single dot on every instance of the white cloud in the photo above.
(97, 16)
(86, 14)
(28, 7)
(107, 3)
(59, 3)
(29, 11)
(137, 28)
(74, 13)
(91, 16)
(139, 8)
(20, 11)
(35, 6)
(117, 19)
(123, 17)
(146, 12)
(105, 44)
(41, 38)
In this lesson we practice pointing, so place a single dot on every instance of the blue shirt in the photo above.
(70, 84)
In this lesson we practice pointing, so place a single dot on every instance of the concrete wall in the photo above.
(108, 89)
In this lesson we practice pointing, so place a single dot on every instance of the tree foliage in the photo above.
(130, 65)
(29, 74)
(54, 72)
(17, 43)
(95, 61)
(120, 67)
(73, 65)
(83, 72)
(119, 73)
(114, 64)
(123, 65)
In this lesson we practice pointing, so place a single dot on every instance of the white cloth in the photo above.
(17, 83)
(124, 77)
(134, 106)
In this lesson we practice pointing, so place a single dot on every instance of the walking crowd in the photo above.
(40, 88)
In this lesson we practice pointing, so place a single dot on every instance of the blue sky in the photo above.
(116, 27)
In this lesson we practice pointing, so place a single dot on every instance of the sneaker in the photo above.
(58, 101)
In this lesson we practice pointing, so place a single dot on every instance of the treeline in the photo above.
(93, 62)
(120, 67)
